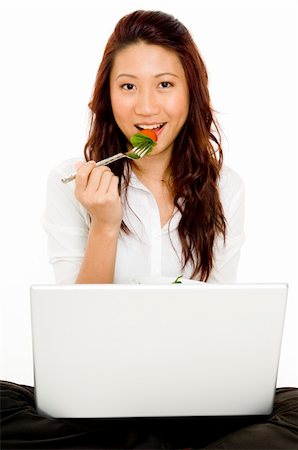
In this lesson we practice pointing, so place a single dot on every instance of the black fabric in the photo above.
(23, 428)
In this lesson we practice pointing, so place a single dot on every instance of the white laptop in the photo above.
(127, 351)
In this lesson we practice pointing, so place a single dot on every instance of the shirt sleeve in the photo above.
(67, 224)
(227, 254)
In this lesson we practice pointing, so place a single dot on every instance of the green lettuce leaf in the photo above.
(140, 139)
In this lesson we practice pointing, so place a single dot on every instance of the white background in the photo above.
(50, 51)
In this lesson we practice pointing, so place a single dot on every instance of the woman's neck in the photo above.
(158, 180)
(154, 180)
(153, 169)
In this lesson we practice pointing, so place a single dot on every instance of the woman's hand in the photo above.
(97, 190)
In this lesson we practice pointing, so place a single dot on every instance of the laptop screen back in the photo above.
(153, 351)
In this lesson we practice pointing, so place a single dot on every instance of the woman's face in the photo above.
(148, 89)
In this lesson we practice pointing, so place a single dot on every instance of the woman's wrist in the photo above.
(100, 254)
(99, 229)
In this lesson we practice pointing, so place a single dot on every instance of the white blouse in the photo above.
(149, 249)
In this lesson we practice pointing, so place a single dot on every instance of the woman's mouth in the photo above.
(156, 127)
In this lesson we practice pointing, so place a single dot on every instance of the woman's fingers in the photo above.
(79, 164)
(97, 190)
(114, 185)
(105, 182)
(96, 177)
(83, 172)
(93, 183)
(91, 178)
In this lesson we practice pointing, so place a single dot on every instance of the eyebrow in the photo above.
(129, 75)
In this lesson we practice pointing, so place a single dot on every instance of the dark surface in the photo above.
(23, 428)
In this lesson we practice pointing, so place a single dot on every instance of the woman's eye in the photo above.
(165, 84)
(128, 86)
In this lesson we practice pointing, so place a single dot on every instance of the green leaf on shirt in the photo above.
(178, 280)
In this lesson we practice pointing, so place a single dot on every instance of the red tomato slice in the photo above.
(150, 133)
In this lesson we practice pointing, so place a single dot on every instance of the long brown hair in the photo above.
(197, 154)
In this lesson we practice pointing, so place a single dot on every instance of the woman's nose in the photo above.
(147, 103)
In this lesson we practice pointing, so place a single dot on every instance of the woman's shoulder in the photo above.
(65, 168)
(231, 186)
(56, 190)
(62, 170)
(229, 180)
(60, 199)
(229, 177)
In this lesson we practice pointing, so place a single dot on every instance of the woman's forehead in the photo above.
(143, 58)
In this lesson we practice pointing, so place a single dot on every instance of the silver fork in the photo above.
(135, 153)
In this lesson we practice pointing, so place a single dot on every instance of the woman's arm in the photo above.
(99, 261)
(227, 255)
(81, 244)
(97, 190)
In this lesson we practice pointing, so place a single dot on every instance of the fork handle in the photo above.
(103, 162)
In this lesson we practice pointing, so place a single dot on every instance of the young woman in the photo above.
(178, 210)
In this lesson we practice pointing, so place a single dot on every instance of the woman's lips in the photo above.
(157, 130)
